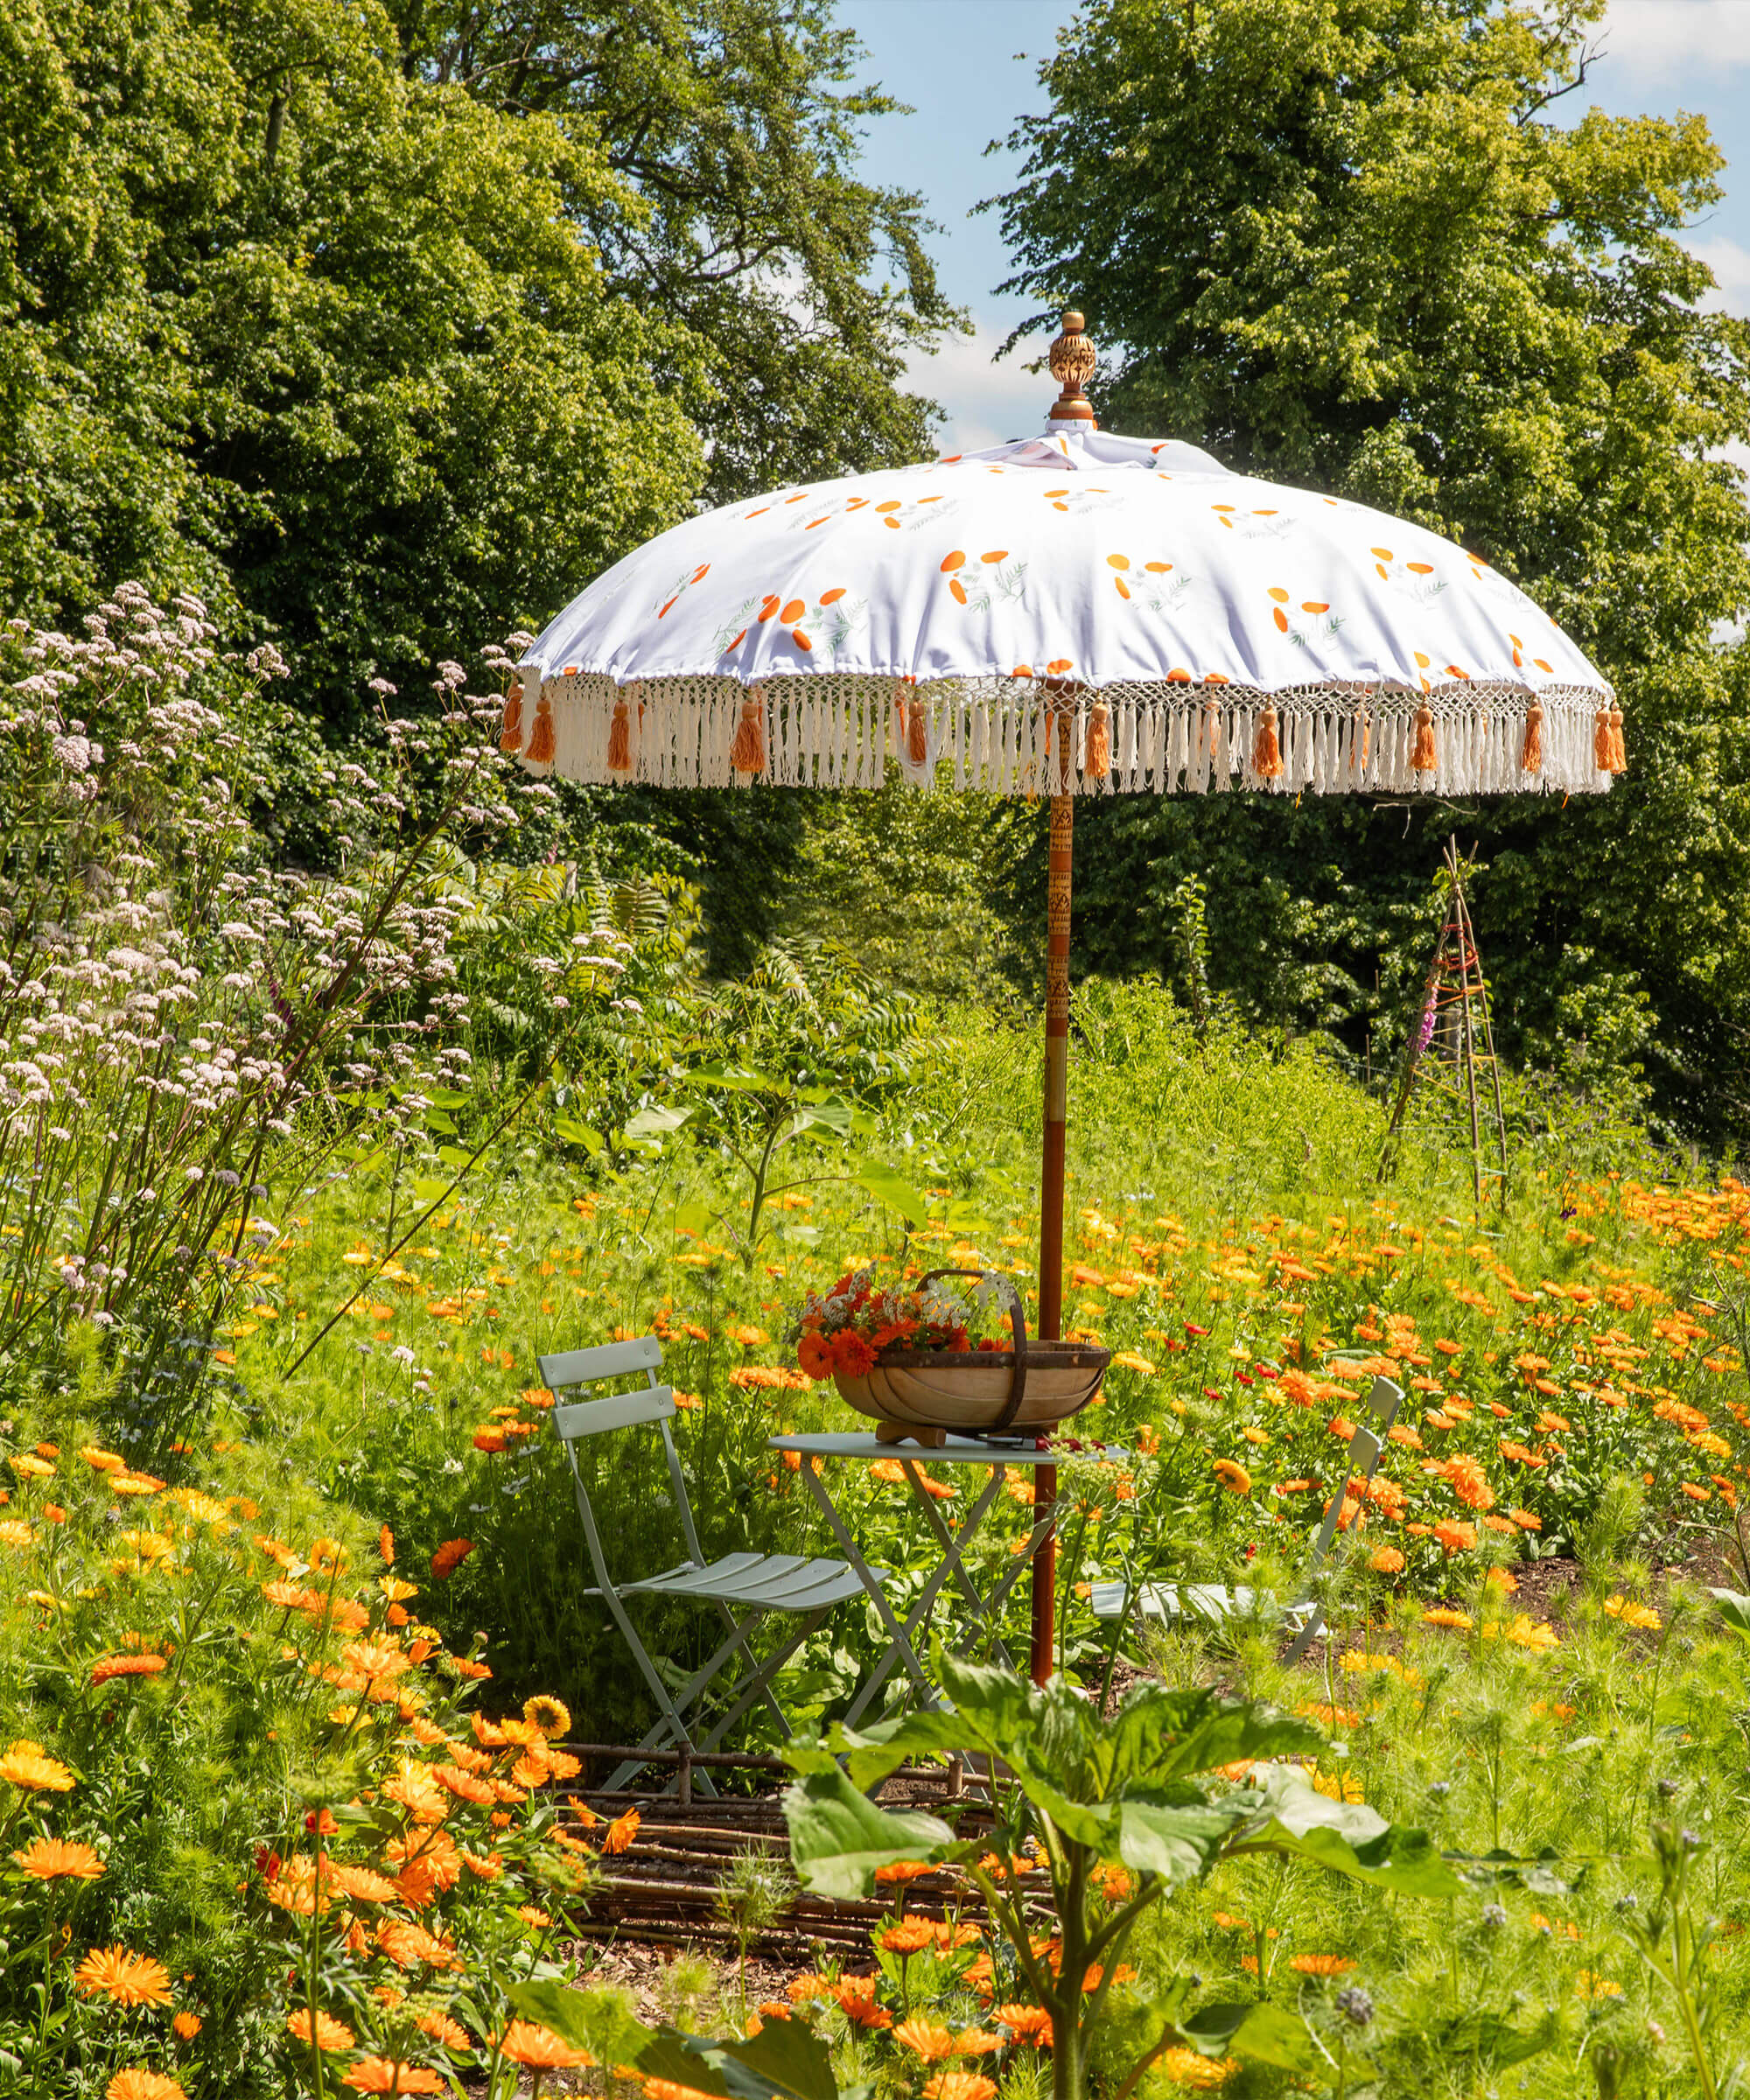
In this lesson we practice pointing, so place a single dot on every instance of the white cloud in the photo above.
(985, 403)
(1730, 262)
(1656, 38)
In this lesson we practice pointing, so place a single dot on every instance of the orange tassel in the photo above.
(619, 740)
(747, 754)
(1423, 758)
(917, 732)
(542, 743)
(1600, 740)
(1096, 760)
(1619, 755)
(1266, 751)
(1531, 756)
(510, 734)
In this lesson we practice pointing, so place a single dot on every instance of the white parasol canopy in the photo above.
(1196, 629)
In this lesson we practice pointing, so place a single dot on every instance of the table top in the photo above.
(958, 1450)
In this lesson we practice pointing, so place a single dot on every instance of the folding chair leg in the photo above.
(761, 1686)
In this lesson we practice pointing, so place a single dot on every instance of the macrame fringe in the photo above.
(998, 736)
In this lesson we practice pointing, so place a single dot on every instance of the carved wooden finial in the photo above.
(1072, 365)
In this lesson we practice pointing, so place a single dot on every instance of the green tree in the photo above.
(733, 123)
(1350, 244)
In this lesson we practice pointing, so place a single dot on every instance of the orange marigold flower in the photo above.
(442, 2028)
(124, 1978)
(319, 2029)
(1456, 1538)
(526, 2042)
(621, 1831)
(1026, 2023)
(902, 1870)
(1525, 1521)
(1632, 1614)
(1440, 1616)
(1320, 1964)
(856, 1996)
(387, 2075)
(960, 2085)
(814, 1354)
(1386, 1560)
(48, 1859)
(126, 1666)
(185, 2026)
(1232, 1475)
(138, 2084)
(923, 2038)
(910, 1937)
(450, 1556)
(408, 1945)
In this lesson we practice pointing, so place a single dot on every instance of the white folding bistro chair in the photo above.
(1214, 1604)
(742, 1586)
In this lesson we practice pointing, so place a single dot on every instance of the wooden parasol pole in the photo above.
(1072, 365)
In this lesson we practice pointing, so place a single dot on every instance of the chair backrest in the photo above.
(1383, 1400)
(578, 1370)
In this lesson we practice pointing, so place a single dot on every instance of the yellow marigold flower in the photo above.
(1232, 1475)
(1631, 1613)
(15, 1532)
(32, 1468)
(25, 1764)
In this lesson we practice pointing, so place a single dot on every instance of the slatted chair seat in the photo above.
(741, 1586)
(1213, 1605)
(774, 1582)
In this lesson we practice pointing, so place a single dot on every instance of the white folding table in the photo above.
(985, 1611)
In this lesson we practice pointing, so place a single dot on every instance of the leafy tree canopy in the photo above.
(733, 123)
(335, 311)
(1353, 244)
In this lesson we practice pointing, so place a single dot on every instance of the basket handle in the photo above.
(1018, 1324)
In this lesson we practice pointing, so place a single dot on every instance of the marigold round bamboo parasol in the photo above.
(1070, 614)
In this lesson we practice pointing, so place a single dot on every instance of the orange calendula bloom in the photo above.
(1456, 1538)
(450, 1556)
(442, 2028)
(620, 1832)
(138, 2085)
(1232, 1475)
(1386, 1560)
(185, 2026)
(903, 1870)
(911, 1937)
(49, 1859)
(1026, 2023)
(534, 1916)
(1632, 1614)
(923, 2038)
(124, 1978)
(387, 2075)
(126, 1666)
(1320, 1964)
(526, 2042)
(1440, 1616)
(960, 2085)
(550, 1716)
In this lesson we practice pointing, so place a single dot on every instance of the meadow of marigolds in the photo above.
(302, 1171)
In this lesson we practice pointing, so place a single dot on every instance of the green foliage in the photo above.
(732, 125)
(1348, 243)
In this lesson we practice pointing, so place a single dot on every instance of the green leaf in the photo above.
(1264, 2032)
(425, 1190)
(601, 2021)
(1494, 2039)
(1178, 1841)
(891, 1189)
(735, 1081)
(438, 1120)
(1348, 1836)
(452, 1155)
(839, 1836)
(655, 1122)
(569, 1130)
(1734, 1609)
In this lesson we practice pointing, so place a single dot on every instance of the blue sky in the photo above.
(955, 62)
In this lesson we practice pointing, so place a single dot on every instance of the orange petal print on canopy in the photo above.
(747, 754)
